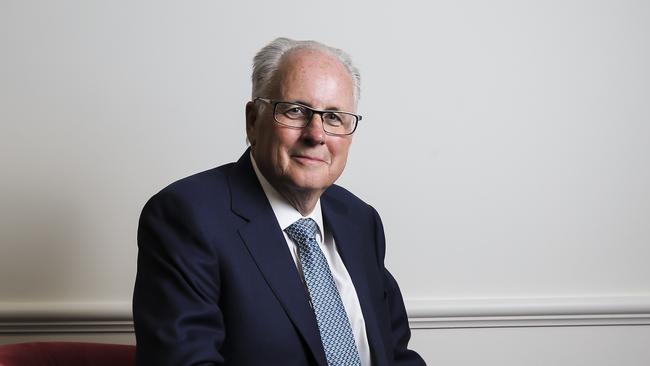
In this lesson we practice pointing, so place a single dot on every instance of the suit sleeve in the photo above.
(400, 331)
(175, 302)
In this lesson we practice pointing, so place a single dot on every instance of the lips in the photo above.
(308, 159)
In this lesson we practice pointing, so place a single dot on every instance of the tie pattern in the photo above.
(333, 324)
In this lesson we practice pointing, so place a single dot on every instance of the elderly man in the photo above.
(265, 261)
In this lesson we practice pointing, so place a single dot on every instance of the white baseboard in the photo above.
(113, 317)
(528, 312)
(64, 317)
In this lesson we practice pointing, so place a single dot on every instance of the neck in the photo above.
(303, 201)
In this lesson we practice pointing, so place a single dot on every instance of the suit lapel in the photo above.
(266, 244)
(350, 247)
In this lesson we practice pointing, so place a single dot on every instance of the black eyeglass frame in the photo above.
(313, 111)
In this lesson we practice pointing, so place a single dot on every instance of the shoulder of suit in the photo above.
(341, 196)
(198, 180)
(197, 189)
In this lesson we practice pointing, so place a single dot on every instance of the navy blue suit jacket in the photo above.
(216, 284)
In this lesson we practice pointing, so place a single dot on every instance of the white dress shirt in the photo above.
(287, 215)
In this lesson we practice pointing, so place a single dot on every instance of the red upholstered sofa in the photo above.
(66, 354)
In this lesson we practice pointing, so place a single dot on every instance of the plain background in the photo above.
(506, 145)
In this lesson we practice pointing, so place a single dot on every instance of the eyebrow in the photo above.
(310, 106)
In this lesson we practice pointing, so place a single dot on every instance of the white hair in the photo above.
(267, 61)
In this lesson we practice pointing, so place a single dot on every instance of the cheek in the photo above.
(339, 153)
(286, 139)
(282, 143)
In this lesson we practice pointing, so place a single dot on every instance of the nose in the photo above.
(313, 133)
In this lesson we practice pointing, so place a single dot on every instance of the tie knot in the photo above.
(302, 230)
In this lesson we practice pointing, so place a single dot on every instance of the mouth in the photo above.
(308, 160)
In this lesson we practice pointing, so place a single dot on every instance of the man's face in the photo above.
(307, 159)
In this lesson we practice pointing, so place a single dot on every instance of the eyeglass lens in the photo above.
(298, 116)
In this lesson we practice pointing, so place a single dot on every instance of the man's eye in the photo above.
(332, 119)
(295, 112)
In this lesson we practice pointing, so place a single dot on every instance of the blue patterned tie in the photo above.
(333, 323)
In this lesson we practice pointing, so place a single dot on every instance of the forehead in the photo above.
(315, 77)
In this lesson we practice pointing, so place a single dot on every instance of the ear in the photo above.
(251, 121)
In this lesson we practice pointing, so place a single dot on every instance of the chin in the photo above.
(310, 183)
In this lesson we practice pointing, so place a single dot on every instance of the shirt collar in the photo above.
(284, 212)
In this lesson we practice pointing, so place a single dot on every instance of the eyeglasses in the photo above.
(294, 115)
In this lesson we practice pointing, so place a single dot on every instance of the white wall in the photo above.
(516, 133)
